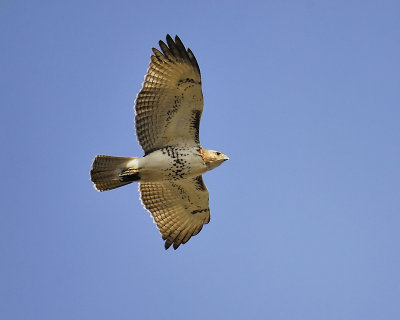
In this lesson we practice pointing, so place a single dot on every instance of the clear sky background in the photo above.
(302, 95)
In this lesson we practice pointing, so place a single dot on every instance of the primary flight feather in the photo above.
(168, 111)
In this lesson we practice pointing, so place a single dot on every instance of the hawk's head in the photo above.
(213, 158)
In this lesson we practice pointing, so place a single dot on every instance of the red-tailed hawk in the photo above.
(168, 111)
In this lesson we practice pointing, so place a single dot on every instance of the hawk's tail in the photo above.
(110, 172)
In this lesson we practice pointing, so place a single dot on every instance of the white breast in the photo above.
(171, 164)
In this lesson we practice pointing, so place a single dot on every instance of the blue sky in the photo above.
(304, 98)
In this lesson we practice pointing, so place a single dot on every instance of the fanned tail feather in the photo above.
(110, 172)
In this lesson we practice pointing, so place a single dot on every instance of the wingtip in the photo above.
(170, 37)
(177, 39)
(176, 245)
(167, 245)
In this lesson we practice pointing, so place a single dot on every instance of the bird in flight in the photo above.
(168, 109)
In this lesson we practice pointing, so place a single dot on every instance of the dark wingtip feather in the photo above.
(176, 245)
(167, 53)
(174, 48)
(169, 38)
(181, 47)
(178, 40)
(167, 244)
(162, 45)
(171, 239)
(193, 60)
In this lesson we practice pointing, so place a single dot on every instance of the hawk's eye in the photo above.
(218, 153)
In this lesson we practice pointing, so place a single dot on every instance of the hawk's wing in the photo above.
(179, 208)
(170, 103)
